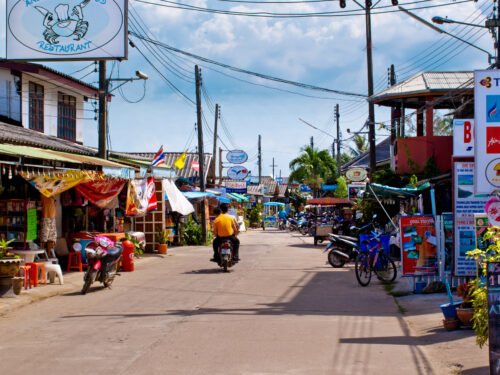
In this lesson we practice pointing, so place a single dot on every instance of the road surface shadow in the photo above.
(204, 271)
(308, 246)
(476, 371)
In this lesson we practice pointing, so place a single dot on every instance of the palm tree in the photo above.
(360, 145)
(312, 167)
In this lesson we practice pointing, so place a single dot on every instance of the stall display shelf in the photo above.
(13, 220)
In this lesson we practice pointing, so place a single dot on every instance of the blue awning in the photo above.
(329, 187)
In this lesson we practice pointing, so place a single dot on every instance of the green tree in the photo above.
(360, 145)
(443, 125)
(312, 167)
(341, 191)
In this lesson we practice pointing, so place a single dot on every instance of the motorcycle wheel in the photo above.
(303, 231)
(224, 265)
(110, 279)
(88, 280)
(335, 260)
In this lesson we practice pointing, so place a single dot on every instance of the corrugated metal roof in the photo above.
(428, 82)
(254, 190)
(382, 154)
(21, 136)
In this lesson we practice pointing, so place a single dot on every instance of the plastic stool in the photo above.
(52, 270)
(36, 268)
(26, 276)
(76, 258)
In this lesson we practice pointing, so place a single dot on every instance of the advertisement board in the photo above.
(354, 192)
(237, 156)
(69, 30)
(356, 174)
(463, 137)
(419, 254)
(141, 196)
(493, 293)
(466, 204)
(481, 226)
(237, 172)
(236, 187)
(487, 133)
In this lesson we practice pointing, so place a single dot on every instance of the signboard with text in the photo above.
(237, 172)
(236, 187)
(493, 292)
(463, 137)
(237, 156)
(487, 131)
(68, 30)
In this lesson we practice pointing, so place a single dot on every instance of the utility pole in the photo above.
(371, 106)
(392, 82)
(201, 158)
(103, 111)
(215, 142)
(337, 116)
(220, 166)
(273, 165)
(260, 161)
(312, 142)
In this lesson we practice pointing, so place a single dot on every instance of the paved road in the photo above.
(282, 310)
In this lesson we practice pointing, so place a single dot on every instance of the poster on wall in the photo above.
(419, 254)
(487, 131)
(100, 192)
(354, 192)
(481, 226)
(66, 30)
(141, 196)
(466, 204)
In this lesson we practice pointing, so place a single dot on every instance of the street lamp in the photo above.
(104, 91)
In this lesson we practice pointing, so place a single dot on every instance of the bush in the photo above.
(191, 234)
(255, 215)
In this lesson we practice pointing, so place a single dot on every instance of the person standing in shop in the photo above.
(48, 234)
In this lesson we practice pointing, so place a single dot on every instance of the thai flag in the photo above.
(492, 111)
(159, 158)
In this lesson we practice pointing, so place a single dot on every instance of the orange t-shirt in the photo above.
(223, 225)
(48, 207)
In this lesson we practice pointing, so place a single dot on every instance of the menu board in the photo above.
(31, 225)
(493, 290)
(466, 204)
(418, 245)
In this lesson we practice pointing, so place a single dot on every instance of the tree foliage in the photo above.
(341, 191)
(360, 145)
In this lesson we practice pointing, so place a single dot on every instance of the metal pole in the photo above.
(103, 111)
(215, 141)
(337, 114)
(260, 161)
(371, 106)
(201, 158)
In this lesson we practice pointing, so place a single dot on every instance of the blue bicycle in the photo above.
(374, 260)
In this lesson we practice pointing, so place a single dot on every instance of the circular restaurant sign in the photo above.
(356, 174)
(237, 156)
(237, 172)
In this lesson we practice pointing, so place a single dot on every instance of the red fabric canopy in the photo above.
(329, 201)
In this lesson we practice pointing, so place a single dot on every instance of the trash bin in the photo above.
(128, 256)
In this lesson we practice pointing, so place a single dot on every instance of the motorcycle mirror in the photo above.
(352, 227)
(77, 246)
(374, 216)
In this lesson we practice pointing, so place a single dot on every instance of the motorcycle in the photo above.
(226, 255)
(282, 224)
(292, 226)
(103, 257)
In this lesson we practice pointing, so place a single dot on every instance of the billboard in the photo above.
(463, 137)
(487, 133)
(66, 30)
(236, 187)
(237, 172)
(237, 156)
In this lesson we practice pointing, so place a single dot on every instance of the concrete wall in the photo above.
(419, 149)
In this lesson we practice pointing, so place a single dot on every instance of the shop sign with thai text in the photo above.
(466, 204)
(463, 137)
(237, 156)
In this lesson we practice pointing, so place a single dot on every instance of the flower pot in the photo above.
(17, 284)
(451, 324)
(9, 267)
(465, 315)
(162, 248)
(450, 310)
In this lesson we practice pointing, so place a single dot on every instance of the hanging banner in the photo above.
(141, 196)
(196, 166)
(31, 224)
(466, 204)
(54, 183)
(487, 131)
(69, 30)
(463, 137)
(100, 192)
(419, 246)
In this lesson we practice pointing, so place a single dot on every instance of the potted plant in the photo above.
(465, 311)
(162, 238)
(9, 262)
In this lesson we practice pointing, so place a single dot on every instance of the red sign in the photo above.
(196, 166)
(493, 139)
(100, 193)
(141, 196)
(418, 245)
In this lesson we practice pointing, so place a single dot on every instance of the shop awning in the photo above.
(241, 196)
(385, 191)
(235, 197)
(200, 194)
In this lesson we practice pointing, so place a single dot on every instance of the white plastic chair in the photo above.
(52, 270)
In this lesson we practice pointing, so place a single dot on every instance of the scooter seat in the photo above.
(114, 252)
(349, 238)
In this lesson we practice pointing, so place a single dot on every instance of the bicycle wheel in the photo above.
(363, 270)
(385, 269)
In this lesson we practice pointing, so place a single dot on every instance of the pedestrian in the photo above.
(48, 234)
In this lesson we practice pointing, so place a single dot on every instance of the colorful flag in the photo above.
(159, 158)
(196, 166)
(179, 163)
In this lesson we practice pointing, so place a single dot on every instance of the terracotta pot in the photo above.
(17, 284)
(162, 248)
(465, 315)
(451, 324)
(9, 267)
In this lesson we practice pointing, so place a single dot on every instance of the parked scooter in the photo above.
(103, 257)
(282, 224)
(292, 225)
(226, 255)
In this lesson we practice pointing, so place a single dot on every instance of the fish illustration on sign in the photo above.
(64, 24)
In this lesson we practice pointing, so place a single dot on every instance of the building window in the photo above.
(10, 98)
(36, 107)
(66, 117)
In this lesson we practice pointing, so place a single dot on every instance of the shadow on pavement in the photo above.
(216, 269)
(476, 371)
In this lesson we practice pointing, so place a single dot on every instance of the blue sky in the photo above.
(328, 52)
